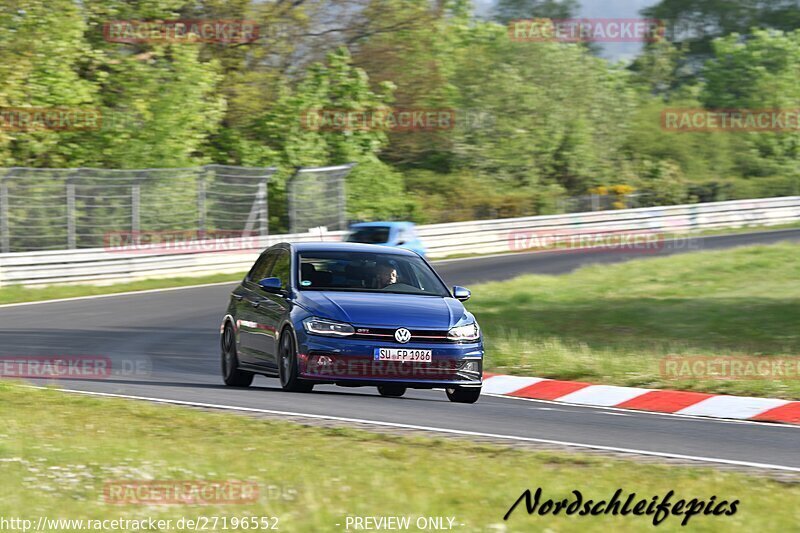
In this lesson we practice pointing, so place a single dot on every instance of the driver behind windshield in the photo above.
(386, 275)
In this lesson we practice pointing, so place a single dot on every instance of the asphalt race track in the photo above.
(176, 332)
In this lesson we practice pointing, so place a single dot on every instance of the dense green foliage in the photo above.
(535, 122)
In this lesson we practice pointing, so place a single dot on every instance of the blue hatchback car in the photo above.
(397, 234)
(353, 315)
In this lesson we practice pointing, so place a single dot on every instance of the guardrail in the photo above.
(104, 265)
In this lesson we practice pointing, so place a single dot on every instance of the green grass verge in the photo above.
(18, 294)
(57, 451)
(613, 324)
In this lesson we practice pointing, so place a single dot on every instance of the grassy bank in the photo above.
(57, 451)
(615, 323)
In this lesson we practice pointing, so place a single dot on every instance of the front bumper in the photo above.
(348, 361)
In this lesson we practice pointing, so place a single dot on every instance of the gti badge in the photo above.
(402, 335)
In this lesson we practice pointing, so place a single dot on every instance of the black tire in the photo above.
(464, 395)
(391, 391)
(231, 375)
(287, 365)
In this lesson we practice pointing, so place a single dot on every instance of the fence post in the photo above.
(263, 225)
(342, 207)
(201, 206)
(71, 237)
(5, 240)
(136, 216)
(290, 193)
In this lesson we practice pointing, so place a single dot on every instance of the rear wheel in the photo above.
(231, 375)
(391, 391)
(287, 366)
(463, 395)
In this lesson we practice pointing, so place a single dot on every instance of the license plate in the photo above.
(403, 354)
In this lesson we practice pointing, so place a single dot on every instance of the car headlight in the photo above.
(322, 326)
(468, 332)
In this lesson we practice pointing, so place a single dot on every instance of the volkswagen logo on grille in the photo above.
(402, 335)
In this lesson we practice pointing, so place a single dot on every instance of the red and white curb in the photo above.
(661, 401)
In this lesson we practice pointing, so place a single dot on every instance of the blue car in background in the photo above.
(353, 315)
(397, 234)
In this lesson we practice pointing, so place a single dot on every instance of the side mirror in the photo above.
(271, 285)
(461, 294)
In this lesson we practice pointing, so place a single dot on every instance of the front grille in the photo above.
(387, 335)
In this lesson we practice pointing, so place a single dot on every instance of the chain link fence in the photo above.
(601, 202)
(56, 209)
(317, 198)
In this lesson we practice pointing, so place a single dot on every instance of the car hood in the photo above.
(385, 309)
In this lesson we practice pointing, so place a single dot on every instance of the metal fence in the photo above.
(601, 202)
(317, 198)
(56, 209)
(441, 240)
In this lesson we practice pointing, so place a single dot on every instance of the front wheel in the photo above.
(464, 395)
(391, 391)
(231, 375)
(287, 366)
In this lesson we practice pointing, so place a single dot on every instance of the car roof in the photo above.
(347, 247)
(380, 224)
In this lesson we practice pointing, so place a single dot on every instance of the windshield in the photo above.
(370, 235)
(368, 272)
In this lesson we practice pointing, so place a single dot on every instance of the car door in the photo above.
(274, 307)
(247, 317)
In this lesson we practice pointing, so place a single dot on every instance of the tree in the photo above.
(558, 114)
(698, 22)
(42, 50)
(758, 73)
(508, 10)
(159, 100)
(373, 189)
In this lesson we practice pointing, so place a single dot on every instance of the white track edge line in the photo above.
(431, 429)
(127, 293)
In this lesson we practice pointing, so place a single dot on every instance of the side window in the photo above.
(281, 269)
(262, 266)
